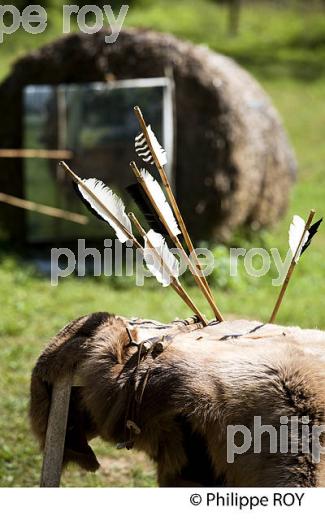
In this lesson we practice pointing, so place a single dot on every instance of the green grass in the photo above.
(285, 51)
(272, 39)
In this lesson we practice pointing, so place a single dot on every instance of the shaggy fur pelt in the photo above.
(183, 393)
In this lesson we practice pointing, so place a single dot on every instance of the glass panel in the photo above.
(40, 108)
(96, 122)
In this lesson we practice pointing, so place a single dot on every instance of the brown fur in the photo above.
(196, 387)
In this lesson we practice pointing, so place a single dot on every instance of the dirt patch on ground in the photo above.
(130, 468)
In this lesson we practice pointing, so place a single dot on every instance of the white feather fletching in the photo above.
(159, 151)
(167, 265)
(111, 201)
(295, 233)
(159, 197)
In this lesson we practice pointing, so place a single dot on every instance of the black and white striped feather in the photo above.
(143, 150)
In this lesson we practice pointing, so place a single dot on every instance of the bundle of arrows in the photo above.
(165, 220)
(163, 217)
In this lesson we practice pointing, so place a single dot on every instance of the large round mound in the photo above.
(234, 165)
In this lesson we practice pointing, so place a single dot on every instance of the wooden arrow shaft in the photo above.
(185, 233)
(202, 283)
(43, 209)
(177, 286)
(37, 154)
(291, 269)
(175, 283)
(170, 194)
(109, 214)
(195, 272)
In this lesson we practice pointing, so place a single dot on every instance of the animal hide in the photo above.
(183, 393)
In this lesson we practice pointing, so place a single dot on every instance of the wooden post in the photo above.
(55, 434)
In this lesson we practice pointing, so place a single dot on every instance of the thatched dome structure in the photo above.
(234, 165)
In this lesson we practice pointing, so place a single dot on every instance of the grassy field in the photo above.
(285, 50)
